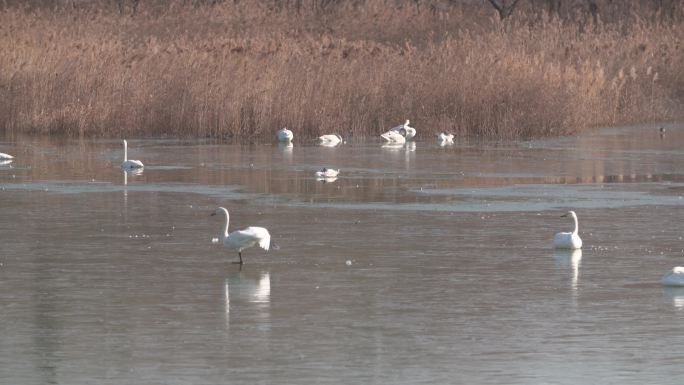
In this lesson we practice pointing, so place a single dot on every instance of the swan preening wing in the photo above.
(405, 130)
(393, 137)
(445, 137)
(4, 156)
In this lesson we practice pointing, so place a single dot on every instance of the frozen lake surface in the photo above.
(419, 264)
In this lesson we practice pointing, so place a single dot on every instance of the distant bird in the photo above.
(674, 277)
(4, 156)
(327, 173)
(661, 129)
(245, 238)
(285, 135)
(129, 165)
(445, 138)
(405, 130)
(393, 137)
(329, 140)
(568, 240)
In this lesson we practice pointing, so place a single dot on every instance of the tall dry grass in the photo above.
(244, 69)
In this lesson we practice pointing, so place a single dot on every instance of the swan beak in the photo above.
(212, 214)
(564, 215)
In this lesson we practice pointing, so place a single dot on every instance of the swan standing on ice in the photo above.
(330, 140)
(568, 240)
(327, 173)
(405, 130)
(393, 137)
(285, 135)
(245, 238)
(130, 164)
(4, 156)
(444, 138)
(674, 277)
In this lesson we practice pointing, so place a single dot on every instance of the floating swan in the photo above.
(327, 173)
(329, 140)
(245, 238)
(674, 277)
(444, 138)
(405, 130)
(4, 156)
(127, 164)
(285, 135)
(568, 240)
(393, 137)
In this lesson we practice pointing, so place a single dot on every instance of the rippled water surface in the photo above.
(419, 264)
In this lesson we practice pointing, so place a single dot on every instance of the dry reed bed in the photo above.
(233, 71)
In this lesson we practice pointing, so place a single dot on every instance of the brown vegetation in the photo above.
(246, 68)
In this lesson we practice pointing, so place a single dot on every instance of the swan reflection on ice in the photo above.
(569, 258)
(250, 292)
(676, 294)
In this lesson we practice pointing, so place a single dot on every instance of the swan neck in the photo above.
(225, 229)
(125, 151)
(574, 219)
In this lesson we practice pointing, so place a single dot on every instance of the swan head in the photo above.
(407, 122)
(570, 214)
(218, 211)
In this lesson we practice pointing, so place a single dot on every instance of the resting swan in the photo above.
(327, 173)
(674, 277)
(130, 164)
(568, 240)
(245, 238)
(330, 140)
(285, 135)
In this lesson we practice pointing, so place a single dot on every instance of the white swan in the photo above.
(393, 137)
(327, 173)
(330, 140)
(4, 156)
(445, 138)
(130, 164)
(674, 277)
(405, 130)
(285, 135)
(568, 240)
(245, 238)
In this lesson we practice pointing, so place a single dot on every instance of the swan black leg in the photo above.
(240, 262)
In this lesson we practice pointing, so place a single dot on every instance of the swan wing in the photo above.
(252, 236)
(5, 156)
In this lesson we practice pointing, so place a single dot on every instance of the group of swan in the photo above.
(251, 236)
(395, 135)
